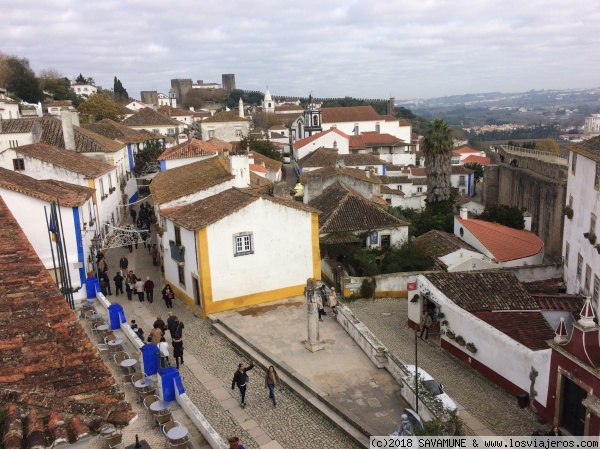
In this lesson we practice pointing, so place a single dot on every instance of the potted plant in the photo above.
(471, 347)
(415, 298)
(450, 334)
(569, 212)
(91, 223)
(441, 316)
(460, 340)
(592, 238)
(233, 442)
(444, 323)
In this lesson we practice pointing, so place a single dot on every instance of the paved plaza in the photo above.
(483, 399)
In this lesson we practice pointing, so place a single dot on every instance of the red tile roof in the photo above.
(48, 361)
(190, 148)
(174, 112)
(86, 141)
(477, 160)
(417, 171)
(150, 117)
(465, 149)
(270, 164)
(439, 243)
(380, 139)
(460, 170)
(503, 242)
(70, 160)
(350, 114)
(225, 116)
(559, 302)
(49, 190)
(303, 142)
(589, 148)
(116, 131)
(257, 168)
(528, 328)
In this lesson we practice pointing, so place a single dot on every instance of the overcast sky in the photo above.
(368, 49)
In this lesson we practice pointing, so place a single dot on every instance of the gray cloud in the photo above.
(416, 48)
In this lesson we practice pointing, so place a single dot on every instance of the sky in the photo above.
(368, 49)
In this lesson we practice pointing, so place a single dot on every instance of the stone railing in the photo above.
(542, 155)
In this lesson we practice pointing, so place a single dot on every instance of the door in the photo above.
(197, 294)
(573, 411)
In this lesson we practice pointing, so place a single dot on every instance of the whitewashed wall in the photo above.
(7, 140)
(179, 162)
(190, 255)
(196, 196)
(225, 130)
(326, 140)
(283, 243)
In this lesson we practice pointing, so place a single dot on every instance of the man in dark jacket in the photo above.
(149, 289)
(123, 264)
(159, 323)
(118, 283)
(240, 378)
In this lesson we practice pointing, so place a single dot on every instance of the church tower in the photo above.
(312, 119)
(268, 103)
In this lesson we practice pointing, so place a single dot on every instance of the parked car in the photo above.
(433, 386)
(287, 160)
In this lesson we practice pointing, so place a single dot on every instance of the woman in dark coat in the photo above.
(178, 349)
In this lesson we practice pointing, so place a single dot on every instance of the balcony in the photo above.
(177, 252)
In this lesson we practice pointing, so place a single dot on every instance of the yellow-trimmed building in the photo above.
(238, 248)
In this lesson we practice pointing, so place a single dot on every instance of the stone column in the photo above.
(312, 344)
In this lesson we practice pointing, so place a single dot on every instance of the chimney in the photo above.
(367, 173)
(561, 332)
(464, 213)
(75, 118)
(527, 220)
(67, 129)
(587, 314)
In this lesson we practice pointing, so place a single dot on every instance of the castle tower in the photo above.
(228, 82)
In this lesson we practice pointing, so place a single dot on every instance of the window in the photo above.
(19, 164)
(400, 188)
(597, 178)
(211, 133)
(462, 181)
(177, 235)
(419, 189)
(156, 131)
(574, 163)
(101, 188)
(110, 184)
(181, 273)
(596, 289)
(377, 128)
(579, 266)
(238, 132)
(243, 244)
(593, 224)
(386, 240)
(588, 278)
(356, 131)
(171, 131)
(567, 250)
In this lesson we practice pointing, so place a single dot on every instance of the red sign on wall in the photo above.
(411, 286)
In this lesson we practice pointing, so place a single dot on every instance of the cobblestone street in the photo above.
(210, 362)
(387, 319)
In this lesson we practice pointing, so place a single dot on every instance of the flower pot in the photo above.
(450, 335)
(471, 348)
(461, 342)
(233, 442)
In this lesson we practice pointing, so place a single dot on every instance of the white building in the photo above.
(84, 89)
(405, 192)
(181, 115)
(581, 250)
(264, 166)
(332, 138)
(19, 132)
(463, 179)
(150, 120)
(218, 248)
(136, 105)
(29, 201)
(592, 123)
(9, 109)
(385, 146)
(188, 152)
(225, 125)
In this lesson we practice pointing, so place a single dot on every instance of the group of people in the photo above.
(326, 299)
(143, 222)
(240, 379)
(157, 337)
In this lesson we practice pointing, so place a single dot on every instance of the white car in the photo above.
(433, 386)
(286, 160)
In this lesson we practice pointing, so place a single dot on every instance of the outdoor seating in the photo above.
(102, 348)
(161, 419)
(136, 376)
(149, 400)
(145, 392)
(114, 440)
(180, 445)
(108, 336)
(168, 426)
(120, 356)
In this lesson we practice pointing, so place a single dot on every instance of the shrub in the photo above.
(366, 289)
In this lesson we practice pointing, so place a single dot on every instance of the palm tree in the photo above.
(437, 148)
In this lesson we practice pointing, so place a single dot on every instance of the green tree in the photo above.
(405, 257)
(100, 106)
(120, 92)
(437, 149)
(265, 147)
(547, 145)
(83, 79)
(510, 216)
(60, 89)
(18, 78)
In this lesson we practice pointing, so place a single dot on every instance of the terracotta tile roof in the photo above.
(322, 157)
(150, 117)
(70, 195)
(336, 238)
(396, 179)
(559, 302)
(258, 182)
(288, 108)
(392, 167)
(344, 210)
(116, 131)
(477, 160)
(19, 125)
(270, 164)
(202, 213)
(588, 148)
(188, 179)
(372, 139)
(75, 162)
(154, 136)
(356, 143)
(303, 142)
(221, 143)
(225, 116)
(48, 362)
(528, 328)
(460, 170)
(380, 201)
(86, 141)
(390, 191)
(485, 291)
(277, 127)
(330, 171)
(174, 112)
(439, 244)
(59, 104)
(190, 148)
(257, 168)
(465, 149)
(350, 114)
(360, 159)
(419, 181)
(503, 242)
(417, 171)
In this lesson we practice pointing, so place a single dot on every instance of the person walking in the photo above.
(170, 323)
(240, 378)
(149, 242)
(163, 347)
(333, 301)
(426, 323)
(168, 296)
(178, 349)
(139, 288)
(154, 254)
(118, 283)
(160, 324)
(128, 288)
(149, 289)
(123, 264)
(177, 326)
(133, 214)
(140, 333)
(155, 335)
(271, 380)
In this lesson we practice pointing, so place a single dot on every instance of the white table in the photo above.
(109, 431)
(158, 406)
(145, 382)
(115, 342)
(128, 364)
(177, 433)
(95, 316)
